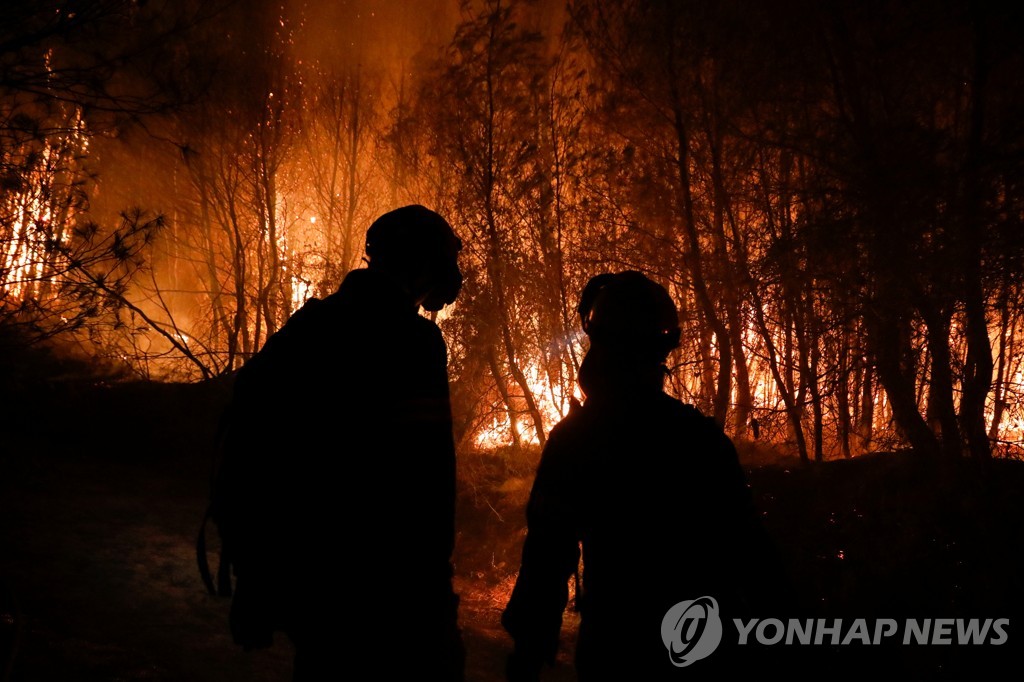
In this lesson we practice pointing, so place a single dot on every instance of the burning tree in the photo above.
(830, 194)
(61, 272)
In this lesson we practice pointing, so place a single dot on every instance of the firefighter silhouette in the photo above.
(336, 496)
(647, 486)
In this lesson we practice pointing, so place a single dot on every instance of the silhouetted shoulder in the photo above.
(295, 328)
(680, 409)
(569, 424)
(429, 330)
(690, 417)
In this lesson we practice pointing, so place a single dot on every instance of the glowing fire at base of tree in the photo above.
(848, 274)
(501, 430)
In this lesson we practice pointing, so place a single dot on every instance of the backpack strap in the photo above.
(223, 585)
(201, 558)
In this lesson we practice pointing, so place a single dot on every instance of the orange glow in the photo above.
(553, 405)
(39, 212)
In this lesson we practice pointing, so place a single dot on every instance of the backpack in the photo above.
(256, 392)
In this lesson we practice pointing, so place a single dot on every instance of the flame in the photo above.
(1011, 425)
(39, 212)
(294, 265)
(552, 402)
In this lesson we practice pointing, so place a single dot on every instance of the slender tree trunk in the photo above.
(272, 294)
(695, 266)
(221, 323)
(351, 189)
(1007, 333)
(729, 284)
(817, 406)
(941, 410)
(890, 339)
(792, 409)
(240, 271)
(495, 261)
(978, 365)
(866, 421)
(510, 409)
(807, 358)
(842, 389)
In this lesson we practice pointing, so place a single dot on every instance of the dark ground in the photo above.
(101, 496)
(102, 491)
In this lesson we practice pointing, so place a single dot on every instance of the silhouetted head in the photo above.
(630, 312)
(419, 248)
(633, 325)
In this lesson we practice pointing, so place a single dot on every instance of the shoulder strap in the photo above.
(223, 585)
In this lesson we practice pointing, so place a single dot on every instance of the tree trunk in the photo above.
(889, 338)
(695, 266)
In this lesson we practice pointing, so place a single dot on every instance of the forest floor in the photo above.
(102, 491)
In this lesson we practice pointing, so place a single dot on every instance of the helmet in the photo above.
(411, 233)
(630, 311)
(417, 240)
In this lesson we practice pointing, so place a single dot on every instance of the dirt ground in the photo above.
(102, 493)
(98, 577)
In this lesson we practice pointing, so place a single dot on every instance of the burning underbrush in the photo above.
(91, 513)
(494, 487)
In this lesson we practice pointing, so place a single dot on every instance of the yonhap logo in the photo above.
(691, 630)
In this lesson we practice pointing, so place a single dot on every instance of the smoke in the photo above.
(380, 34)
